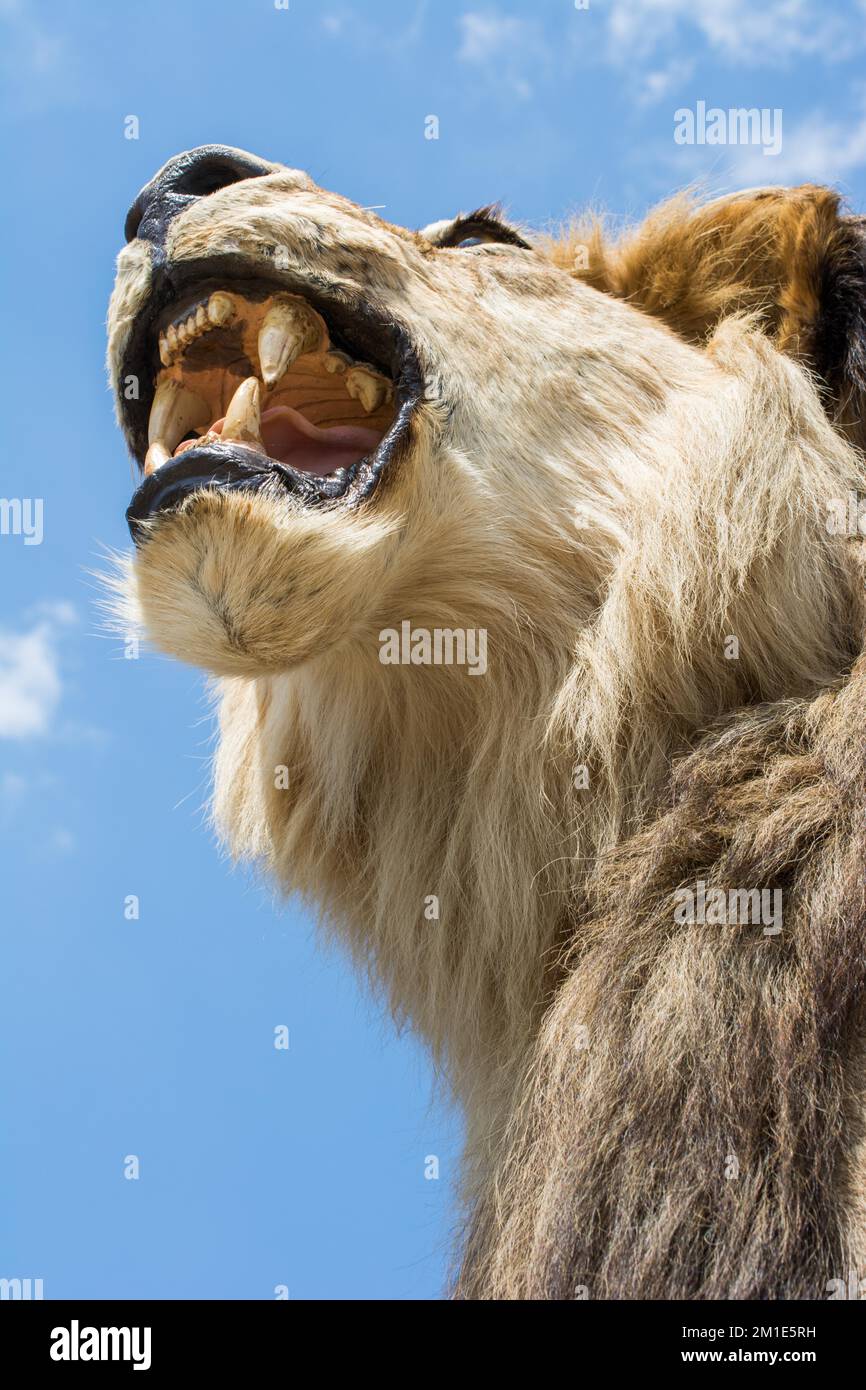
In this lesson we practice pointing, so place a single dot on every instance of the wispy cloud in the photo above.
(368, 33)
(13, 788)
(36, 60)
(658, 82)
(737, 31)
(505, 48)
(31, 685)
(31, 798)
(41, 49)
(61, 841)
(487, 34)
(815, 148)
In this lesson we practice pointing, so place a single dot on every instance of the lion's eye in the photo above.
(483, 227)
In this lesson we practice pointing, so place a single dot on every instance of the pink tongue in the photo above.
(290, 438)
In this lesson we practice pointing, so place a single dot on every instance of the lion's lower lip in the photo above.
(224, 468)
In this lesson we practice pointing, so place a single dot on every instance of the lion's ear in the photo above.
(840, 333)
(790, 256)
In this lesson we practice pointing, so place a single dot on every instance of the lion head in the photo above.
(326, 405)
(615, 465)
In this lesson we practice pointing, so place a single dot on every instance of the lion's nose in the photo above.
(189, 176)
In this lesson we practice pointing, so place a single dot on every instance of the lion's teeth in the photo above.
(220, 309)
(243, 417)
(364, 386)
(336, 361)
(175, 411)
(288, 331)
(175, 339)
(155, 457)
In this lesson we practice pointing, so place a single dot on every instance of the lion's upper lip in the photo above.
(348, 445)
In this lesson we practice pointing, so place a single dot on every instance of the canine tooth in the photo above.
(288, 331)
(155, 457)
(173, 340)
(164, 351)
(370, 390)
(220, 309)
(336, 361)
(243, 417)
(175, 411)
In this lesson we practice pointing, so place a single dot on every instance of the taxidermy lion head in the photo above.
(478, 534)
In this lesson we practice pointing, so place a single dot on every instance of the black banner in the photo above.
(153, 1338)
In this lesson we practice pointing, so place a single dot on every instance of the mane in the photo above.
(624, 476)
(789, 257)
(690, 1125)
(690, 1122)
(397, 797)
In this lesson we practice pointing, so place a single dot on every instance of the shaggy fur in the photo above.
(612, 490)
(787, 255)
(693, 1116)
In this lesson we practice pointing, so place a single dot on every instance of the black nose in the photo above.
(188, 176)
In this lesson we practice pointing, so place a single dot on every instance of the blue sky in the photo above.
(154, 1037)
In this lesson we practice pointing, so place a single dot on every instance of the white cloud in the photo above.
(61, 841)
(366, 33)
(503, 47)
(24, 800)
(12, 788)
(487, 34)
(30, 685)
(816, 148)
(657, 83)
(41, 49)
(737, 31)
(30, 680)
(59, 612)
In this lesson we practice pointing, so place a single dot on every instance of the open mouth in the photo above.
(255, 387)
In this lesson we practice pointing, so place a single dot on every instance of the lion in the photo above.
(364, 450)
